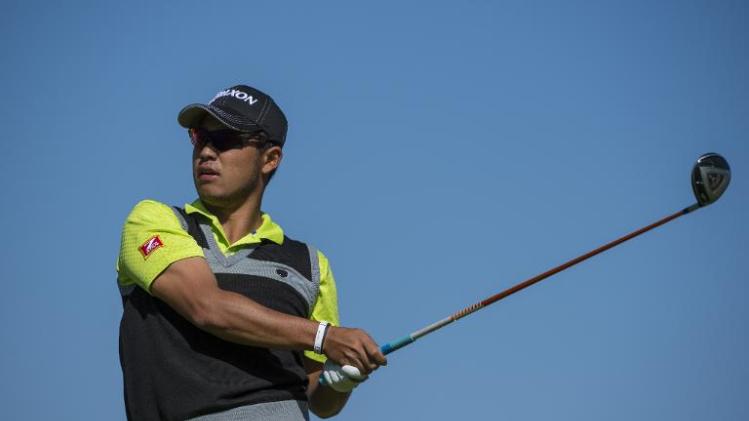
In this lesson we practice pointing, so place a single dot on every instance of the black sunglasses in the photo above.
(226, 139)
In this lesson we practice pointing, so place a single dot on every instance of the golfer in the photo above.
(224, 316)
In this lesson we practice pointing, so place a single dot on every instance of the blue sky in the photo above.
(438, 152)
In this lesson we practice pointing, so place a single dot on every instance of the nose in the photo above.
(206, 152)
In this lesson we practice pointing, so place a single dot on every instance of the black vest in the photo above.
(173, 370)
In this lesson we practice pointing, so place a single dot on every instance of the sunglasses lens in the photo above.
(222, 140)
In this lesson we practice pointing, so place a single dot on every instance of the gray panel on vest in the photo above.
(180, 218)
(240, 263)
(275, 271)
(277, 411)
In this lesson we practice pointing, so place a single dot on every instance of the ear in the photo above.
(271, 159)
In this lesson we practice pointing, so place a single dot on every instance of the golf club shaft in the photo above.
(400, 343)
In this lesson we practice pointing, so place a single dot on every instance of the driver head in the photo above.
(710, 178)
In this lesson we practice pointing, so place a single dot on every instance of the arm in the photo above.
(190, 288)
(323, 401)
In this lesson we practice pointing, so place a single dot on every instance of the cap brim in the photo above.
(193, 114)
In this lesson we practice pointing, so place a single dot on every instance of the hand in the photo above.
(341, 379)
(353, 347)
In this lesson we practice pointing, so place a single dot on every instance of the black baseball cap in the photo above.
(241, 108)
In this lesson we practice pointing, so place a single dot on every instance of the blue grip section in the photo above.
(396, 345)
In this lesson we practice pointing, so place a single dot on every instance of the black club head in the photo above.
(710, 178)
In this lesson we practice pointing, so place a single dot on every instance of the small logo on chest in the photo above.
(151, 245)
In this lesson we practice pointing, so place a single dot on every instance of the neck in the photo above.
(238, 220)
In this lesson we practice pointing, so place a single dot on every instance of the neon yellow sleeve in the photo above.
(326, 306)
(152, 239)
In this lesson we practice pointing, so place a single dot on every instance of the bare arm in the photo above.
(191, 289)
(323, 401)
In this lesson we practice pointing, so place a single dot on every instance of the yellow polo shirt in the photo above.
(153, 239)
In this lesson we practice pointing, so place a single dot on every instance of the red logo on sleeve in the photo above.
(151, 245)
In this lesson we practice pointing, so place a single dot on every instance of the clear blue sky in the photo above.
(438, 153)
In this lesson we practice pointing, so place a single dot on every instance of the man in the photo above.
(225, 317)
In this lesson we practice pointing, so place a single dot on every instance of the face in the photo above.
(227, 178)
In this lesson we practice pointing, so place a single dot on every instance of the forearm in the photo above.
(190, 288)
(326, 402)
(236, 318)
(323, 401)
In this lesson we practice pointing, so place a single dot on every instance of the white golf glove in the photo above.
(341, 379)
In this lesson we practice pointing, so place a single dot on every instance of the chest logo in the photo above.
(151, 245)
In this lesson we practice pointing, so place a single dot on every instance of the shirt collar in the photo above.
(268, 229)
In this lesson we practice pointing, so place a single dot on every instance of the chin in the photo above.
(210, 194)
(212, 200)
(217, 195)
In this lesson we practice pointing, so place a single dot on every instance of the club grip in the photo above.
(396, 345)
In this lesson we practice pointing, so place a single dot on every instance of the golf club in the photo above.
(710, 177)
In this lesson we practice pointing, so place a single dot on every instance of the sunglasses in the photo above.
(226, 139)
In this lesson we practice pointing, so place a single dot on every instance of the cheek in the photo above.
(240, 166)
(195, 158)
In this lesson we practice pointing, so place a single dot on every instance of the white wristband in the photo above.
(320, 337)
